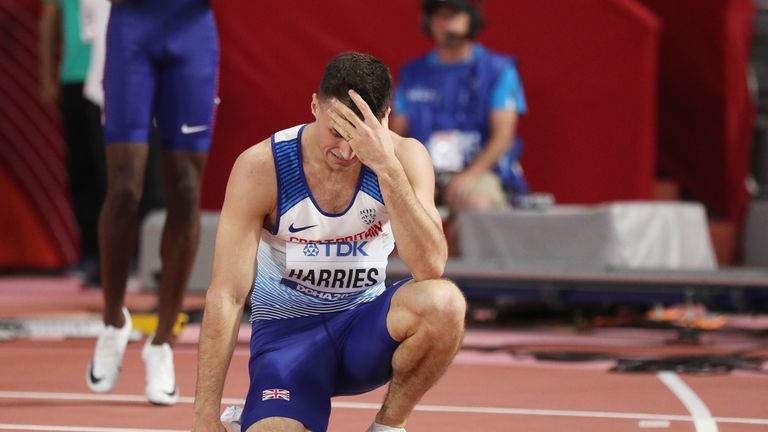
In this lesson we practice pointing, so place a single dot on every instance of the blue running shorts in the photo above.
(162, 61)
(298, 364)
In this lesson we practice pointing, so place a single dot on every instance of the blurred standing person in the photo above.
(161, 62)
(94, 17)
(62, 84)
(463, 101)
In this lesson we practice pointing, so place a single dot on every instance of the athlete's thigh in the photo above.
(187, 93)
(293, 369)
(130, 78)
(125, 166)
(281, 424)
(367, 346)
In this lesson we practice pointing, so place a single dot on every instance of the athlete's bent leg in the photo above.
(427, 318)
(118, 224)
(183, 173)
(277, 424)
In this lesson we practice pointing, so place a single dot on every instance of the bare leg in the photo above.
(428, 317)
(118, 225)
(277, 424)
(183, 173)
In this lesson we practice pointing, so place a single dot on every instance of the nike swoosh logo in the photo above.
(173, 393)
(297, 229)
(92, 377)
(187, 129)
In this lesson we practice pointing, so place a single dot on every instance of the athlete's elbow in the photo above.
(432, 270)
(425, 276)
(219, 295)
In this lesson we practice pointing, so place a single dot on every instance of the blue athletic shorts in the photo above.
(162, 61)
(298, 364)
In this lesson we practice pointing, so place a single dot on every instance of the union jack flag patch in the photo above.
(275, 394)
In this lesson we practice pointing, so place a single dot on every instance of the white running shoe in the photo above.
(104, 368)
(376, 427)
(161, 378)
(232, 415)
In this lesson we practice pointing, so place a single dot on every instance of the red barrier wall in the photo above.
(706, 115)
(37, 228)
(589, 69)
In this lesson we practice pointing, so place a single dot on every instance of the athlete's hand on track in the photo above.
(369, 138)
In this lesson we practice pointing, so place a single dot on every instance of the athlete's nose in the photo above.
(346, 150)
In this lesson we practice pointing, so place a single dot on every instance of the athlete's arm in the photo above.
(249, 199)
(416, 222)
(407, 183)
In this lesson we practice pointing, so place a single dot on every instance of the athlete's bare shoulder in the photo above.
(258, 155)
(255, 163)
(409, 149)
(254, 170)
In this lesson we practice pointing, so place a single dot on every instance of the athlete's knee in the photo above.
(183, 195)
(183, 211)
(444, 304)
(185, 188)
(277, 424)
(123, 196)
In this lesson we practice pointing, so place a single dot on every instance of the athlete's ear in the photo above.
(315, 105)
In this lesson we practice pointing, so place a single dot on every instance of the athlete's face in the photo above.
(449, 26)
(337, 152)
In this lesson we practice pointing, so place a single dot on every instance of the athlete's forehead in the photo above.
(347, 101)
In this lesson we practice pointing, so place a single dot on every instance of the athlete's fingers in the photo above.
(338, 115)
(341, 125)
(347, 114)
(362, 105)
(346, 135)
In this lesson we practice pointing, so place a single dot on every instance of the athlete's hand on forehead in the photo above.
(368, 137)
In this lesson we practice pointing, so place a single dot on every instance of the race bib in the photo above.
(336, 268)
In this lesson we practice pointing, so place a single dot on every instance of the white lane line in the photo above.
(21, 427)
(654, 424)
(702, 418)
(376, 406)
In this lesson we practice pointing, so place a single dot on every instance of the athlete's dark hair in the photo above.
(363, 73)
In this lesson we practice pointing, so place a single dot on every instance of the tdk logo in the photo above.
(343, 249)
(311, 249)
(337, 249)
